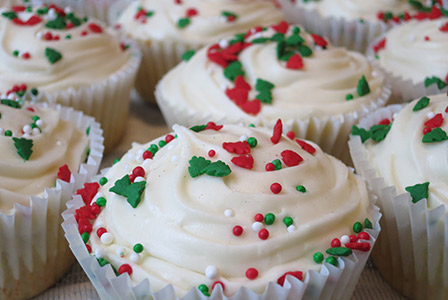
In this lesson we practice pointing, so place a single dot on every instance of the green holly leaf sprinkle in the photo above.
(183, 22)
(52, 55)
(9, 14)
(305, 51)
(418, 191)
(198, 166)
(58, 23)
(188, 54)
(435, 80)
(121, 185)
(435, 135)
(261, 40)
(363, 134)
(278, 37)
(229, 14)
(363, 86)
(265, 96)
(422, 103)
(379, 132)
(134, 193)
(287, 56)
(23, 147)
(218, 169)
(233, 70)
(294, 40)
(261, 85)
(339, 251)
(11, 103)
(76, 21)
(281, 47)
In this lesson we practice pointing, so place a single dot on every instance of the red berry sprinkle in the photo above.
(258, 218)
(138, 172)
(101, 231)
(169, 138)
(125, 268)
(363, 236)
(296, 274)
(219, 283)
(147, 155)
(211, 153)
(191, 12)
(263, 234)
(237, 230)
(270, 167)
(335, 243)
(251, 273)
(276, 188)
(291, 135)
(353, 238)
(89, 248)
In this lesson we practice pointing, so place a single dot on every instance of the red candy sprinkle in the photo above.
(258, 218)
(30, 22)
(426, 130)
(380, 45)
(237, 230)
(318, 40)
(281, 27)
(385, 121)
(263, 234)
(251, 273)
(291, 135)
(191, 12)
(335, 243)
(125, 268)
(147, 155)
(358, 246)
(276, 188)
(296, 274)
(305, 146)
(219, 283)
(32, 109)
(295, 62)
(353, 238)
(239, 96)
(446, 109)
(213, 126)
(95, 209)
(95, 28)
(244, 161)
(252, 107)
(436, 121)
(241, 83)
(237, 147)
(89, 248)
(169, 138)
(18, 8)
(88, 192)
(101, 231)
(26, 55)
(64, 173)
(426, 38)
(290, 158)
(363, 236)
(277, 132)
(444, 27)
(138, 171)
(270, 167)
(211, 153)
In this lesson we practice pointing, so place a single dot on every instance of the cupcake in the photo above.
(167, 29)
(47, 152)
(402, 152)
(224, 210)
(413, 55)
(281, 71)
(69, 60)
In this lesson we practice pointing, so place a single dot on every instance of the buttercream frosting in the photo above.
(186, 224)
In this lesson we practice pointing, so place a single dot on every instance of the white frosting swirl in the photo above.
(319, 89)
(408, 54)
(59, 143)
(205, 27)
(86, 59)
(402, 159)
(185, 224)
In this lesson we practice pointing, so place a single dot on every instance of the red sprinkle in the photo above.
(169, 138)
(26, 55)
(263, 234)
(305, 146)
(426, 38)
(138, 171)
(436, 121)
(335, 243)
(84, 33)
(296, 274)
(219, 283)
(191, 12)
(258, 218)
(358, 246)
(277, 132)
(147, 155)
(64, 173)
(241, 83)
(30, 22)
(211, 153)
(95, 209)
(363, 236)
(252, 107)
(88, 192)
(101, 231)
(270, 167)
(426, 130)
(281, 27)
(446, 109)
(380, 45)
(318, 40)
(237, 147)
(95, 28)
(89, 248)
(385, 121)
(444, 27)
(295, 62)
(237, 230)
(244, 161)
(353, 238)
(276, 188)
(251, 273)
(291, 135)
(125, 268)
(291, 158)
(213, 126)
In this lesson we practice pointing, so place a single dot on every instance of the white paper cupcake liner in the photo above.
(403, 90)
(412, 251)
(158, 57)
(33, 252)
(330, 133)
(353, 35)
(329, 283)
(107, 101)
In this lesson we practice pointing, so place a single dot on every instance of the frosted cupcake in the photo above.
(402, 151)
(226, 210)
(280, 71)
(413, 55)
(167, 29)
(70, 60)
(46, 153)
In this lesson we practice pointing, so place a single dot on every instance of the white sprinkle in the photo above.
(36, 131)
(257, 226)
(411, 38)
(223, 43)
(175, 159)
(139, 179)
(26, 136)
(229, 212)
(291, 228)
(140, 152)
(345, 239)
(99, 253)
(12, 96)
(135, 257)
(40, 123)
(120, 251)
(211, 272)
(107, 238)
(59, 143)
(40, 35)
(27, 129)
(68, 10)
(431, 115)
(243, 138)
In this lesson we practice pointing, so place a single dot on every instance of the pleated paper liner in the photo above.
(412, 251)
(33, 251)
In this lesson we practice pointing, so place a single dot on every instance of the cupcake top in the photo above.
(196, 22)
(51, 48)
(416, 50)
(230, 204)
(278, 71)
(37, 147)
(411, 153)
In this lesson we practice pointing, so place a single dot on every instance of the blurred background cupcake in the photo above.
(402, 152)
(69, 59)
(167, 29)
(47, 152)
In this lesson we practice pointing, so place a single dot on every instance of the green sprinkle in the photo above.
(153, 149)
(233, 70)
(33, 125)
(10, 103)
(288, 221)
(198, 166)
(251, 125)
(349, 97)
(9, 14)
(58, 23)
(261, 40)
(339, 251)
(287, 56)
(206, 294)
(138, 248)
(187, 55)
(332, 261)
(435, 135)
(368, 224)
(278, 37)
(52, 55)
(363, 86)
(418, 191)
(357, 227)
(85, 19)
(252, 142)
(281, 47)
(435, 80)
(162, 143)
(35, 118)
(40, 11)
(364, 134)
(379, 132)
(15, 53)
(102, 262)
(262, 85)
(218, 169)
(294, 40)
(296, 30)
(101, 201)
(269, 219)
(422, 103)
(149, 13)
(198, 128)
(23, 147)
(301, 188)
(68, 36)
(88, 130)
(34, 92)
(132, 191)
(203, 288)
(8, 133)
(265, 97)
(305, 51)
(318, 257)
(183, 22)
(229, 15)
(103, 180)
(277, 164)
(85, 237)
